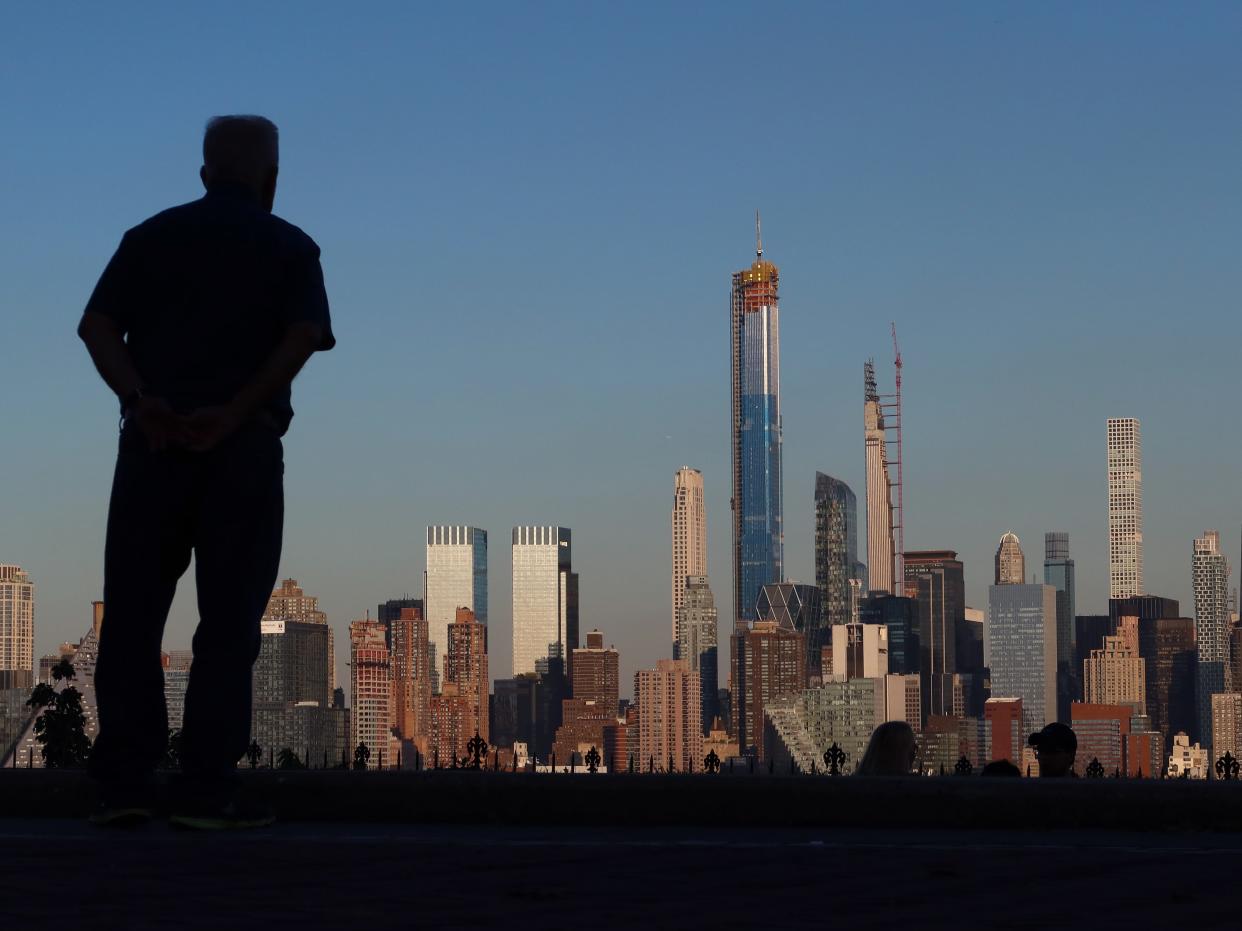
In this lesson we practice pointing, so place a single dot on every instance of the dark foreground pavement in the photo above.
(66, 874)
(456, 849)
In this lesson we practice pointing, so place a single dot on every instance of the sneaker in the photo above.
(230, 813)
(124, 807)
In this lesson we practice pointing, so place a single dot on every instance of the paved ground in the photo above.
(63, 872)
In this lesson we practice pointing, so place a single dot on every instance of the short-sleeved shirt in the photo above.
(203, 294)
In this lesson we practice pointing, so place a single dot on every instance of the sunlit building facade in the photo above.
(1125, 507)
(455, 577)
(16, 628)
(689, 550)
(1210, 577)
(545, 599)
(881, 553)
(697, 641)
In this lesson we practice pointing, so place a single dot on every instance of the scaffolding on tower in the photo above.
(890, 404)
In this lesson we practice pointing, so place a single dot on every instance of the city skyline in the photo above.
(1018, 246)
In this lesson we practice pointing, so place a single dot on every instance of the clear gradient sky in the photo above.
(529, 214)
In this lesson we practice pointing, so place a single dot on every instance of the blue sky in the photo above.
(529, 214)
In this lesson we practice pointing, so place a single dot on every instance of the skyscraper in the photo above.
(1125, 507)
(461, 709)
(880, 548)
(292, 702)
(689, 521)
(768, 663)
(456, 577)
(792, 604)
(545, 598)
(836, 546)
(16, 628)
(757, 503)
(1010, 563)
(669, 728)
(411, 671)
(595, 701)
(1167, 646)
(290, 603)
(936, 581)
(1210, 575)
(371, 715)
(1020, 647)
(1059, 573)
(697, 643)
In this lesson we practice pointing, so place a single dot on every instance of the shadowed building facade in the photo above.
(937, 583)
(1210, 575)
(1167, 646)
(292, 706)
(769, 662)
(1021, 648)
(697, 645)
(1059, 572)
(290, 603)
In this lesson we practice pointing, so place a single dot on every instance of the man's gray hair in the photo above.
(242, 147)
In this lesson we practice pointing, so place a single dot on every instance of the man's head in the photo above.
(1055, 747)
(242, 151)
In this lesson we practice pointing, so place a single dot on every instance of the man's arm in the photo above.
(209, 425)
(106, 344)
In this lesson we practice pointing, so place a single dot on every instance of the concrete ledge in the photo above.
(463, 797)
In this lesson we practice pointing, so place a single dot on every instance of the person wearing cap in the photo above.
(1055, 748)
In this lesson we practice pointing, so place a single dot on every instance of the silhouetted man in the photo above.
(1055, 748)
(199, 324)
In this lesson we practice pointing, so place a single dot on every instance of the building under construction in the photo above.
(885, 511)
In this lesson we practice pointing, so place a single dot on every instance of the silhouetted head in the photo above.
(1001, 768)
(1055, 748)
(891, 751)
(242, 151)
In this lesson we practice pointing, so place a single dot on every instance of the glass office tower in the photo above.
(456, 577)
(758, 530)
(545, 599)
(836, 546)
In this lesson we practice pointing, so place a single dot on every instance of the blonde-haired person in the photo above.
(891, 751)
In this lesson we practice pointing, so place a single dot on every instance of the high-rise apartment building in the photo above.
(16, 628)
(461, 709)
(1059, 573)
(792, 604)
(1020, 647)
(371, 715)
(545, 598)
(1125, 507)
(411, 670)
(595, 702)
(669, 725)
(689, 522)
(1226, 725)
(290, 603)
(1210, 576)
(697, 642)
(755, 425)
(455, 577)
(1010, 562)
(836, 547)
(769, 662)
(881, 554)
(1116, 674)
(935, 579)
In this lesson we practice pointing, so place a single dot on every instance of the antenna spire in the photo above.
(758, 236)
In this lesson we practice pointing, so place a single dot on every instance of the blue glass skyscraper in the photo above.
(758, 509)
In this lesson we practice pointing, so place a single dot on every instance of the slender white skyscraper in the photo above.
(1210, 576)
(689, 535)
(16, 628)
(545, 599)
(1125, 508)
(456, 577)
(879, 491)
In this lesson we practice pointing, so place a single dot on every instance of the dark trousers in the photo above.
(226, 507)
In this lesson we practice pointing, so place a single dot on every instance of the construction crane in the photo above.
(892, 422)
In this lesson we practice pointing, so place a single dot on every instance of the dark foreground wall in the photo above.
(449, 797)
